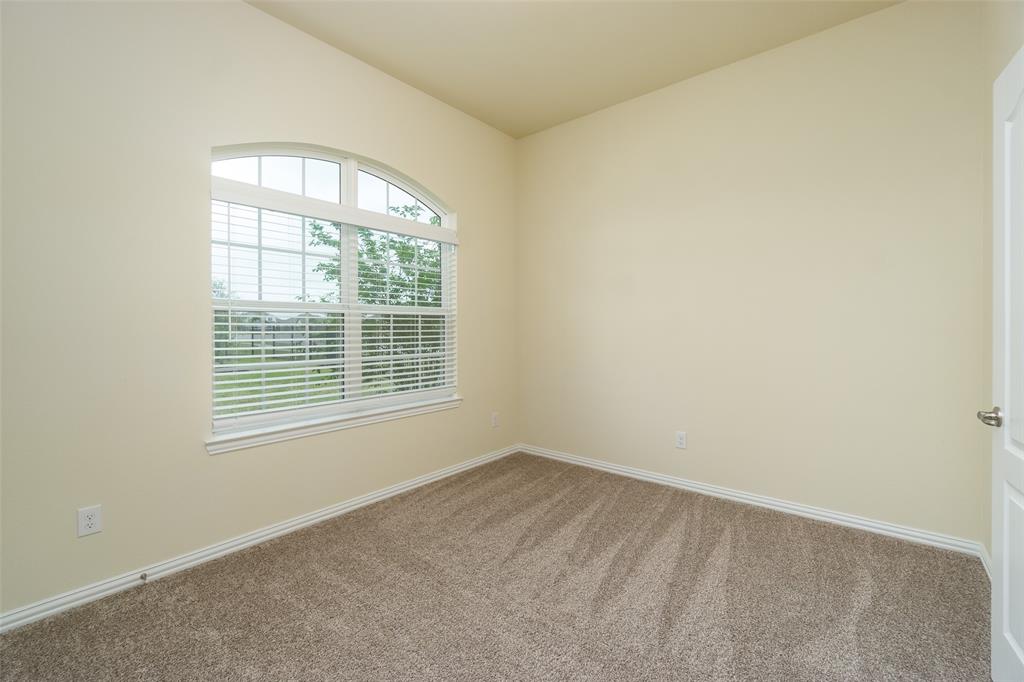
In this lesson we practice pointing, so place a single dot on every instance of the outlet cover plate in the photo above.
(90, 520)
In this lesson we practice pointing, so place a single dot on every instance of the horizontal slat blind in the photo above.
(267, 360)
(310, 313)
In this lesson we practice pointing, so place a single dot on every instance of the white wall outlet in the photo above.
(494, 420)
(681, 440)
(90, 520)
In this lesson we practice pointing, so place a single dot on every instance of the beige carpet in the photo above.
(530, 569)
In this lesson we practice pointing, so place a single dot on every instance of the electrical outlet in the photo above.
(90, 520)
(681, 440)
(494, 420)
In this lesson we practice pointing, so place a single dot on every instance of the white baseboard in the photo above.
(62, 602)
(923, 537)
(986, 560)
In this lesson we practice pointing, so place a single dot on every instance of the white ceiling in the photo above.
(526, 66)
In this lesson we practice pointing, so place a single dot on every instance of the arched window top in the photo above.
(377, 194)
(309, 177)
(325, 175)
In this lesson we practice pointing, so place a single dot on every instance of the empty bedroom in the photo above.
(512, 340)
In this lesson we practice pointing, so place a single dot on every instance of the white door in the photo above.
(1008, 376)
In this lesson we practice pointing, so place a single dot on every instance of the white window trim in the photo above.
(236, 433)
(227, 441)
(235, 192)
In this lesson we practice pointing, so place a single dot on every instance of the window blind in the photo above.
(313, 315)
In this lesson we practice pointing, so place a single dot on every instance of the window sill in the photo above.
(226, 441)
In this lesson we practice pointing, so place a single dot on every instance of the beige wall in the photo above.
(786, 258)
(1004, 32)
(106, 339)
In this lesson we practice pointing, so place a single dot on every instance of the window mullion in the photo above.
(263, 360)
(448, 299)
(259, 254)
(353, 360)
(349, 177)
(348, 281)
(302, 261)
(419, 318)
(259, 295)
(419, 351)
(308, 343)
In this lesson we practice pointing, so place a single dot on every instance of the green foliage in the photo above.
(393, 269)
(329, 236)
(413, 211)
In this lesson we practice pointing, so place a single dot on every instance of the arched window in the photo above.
(333, 287)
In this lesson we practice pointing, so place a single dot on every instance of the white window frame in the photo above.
(234, 433)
